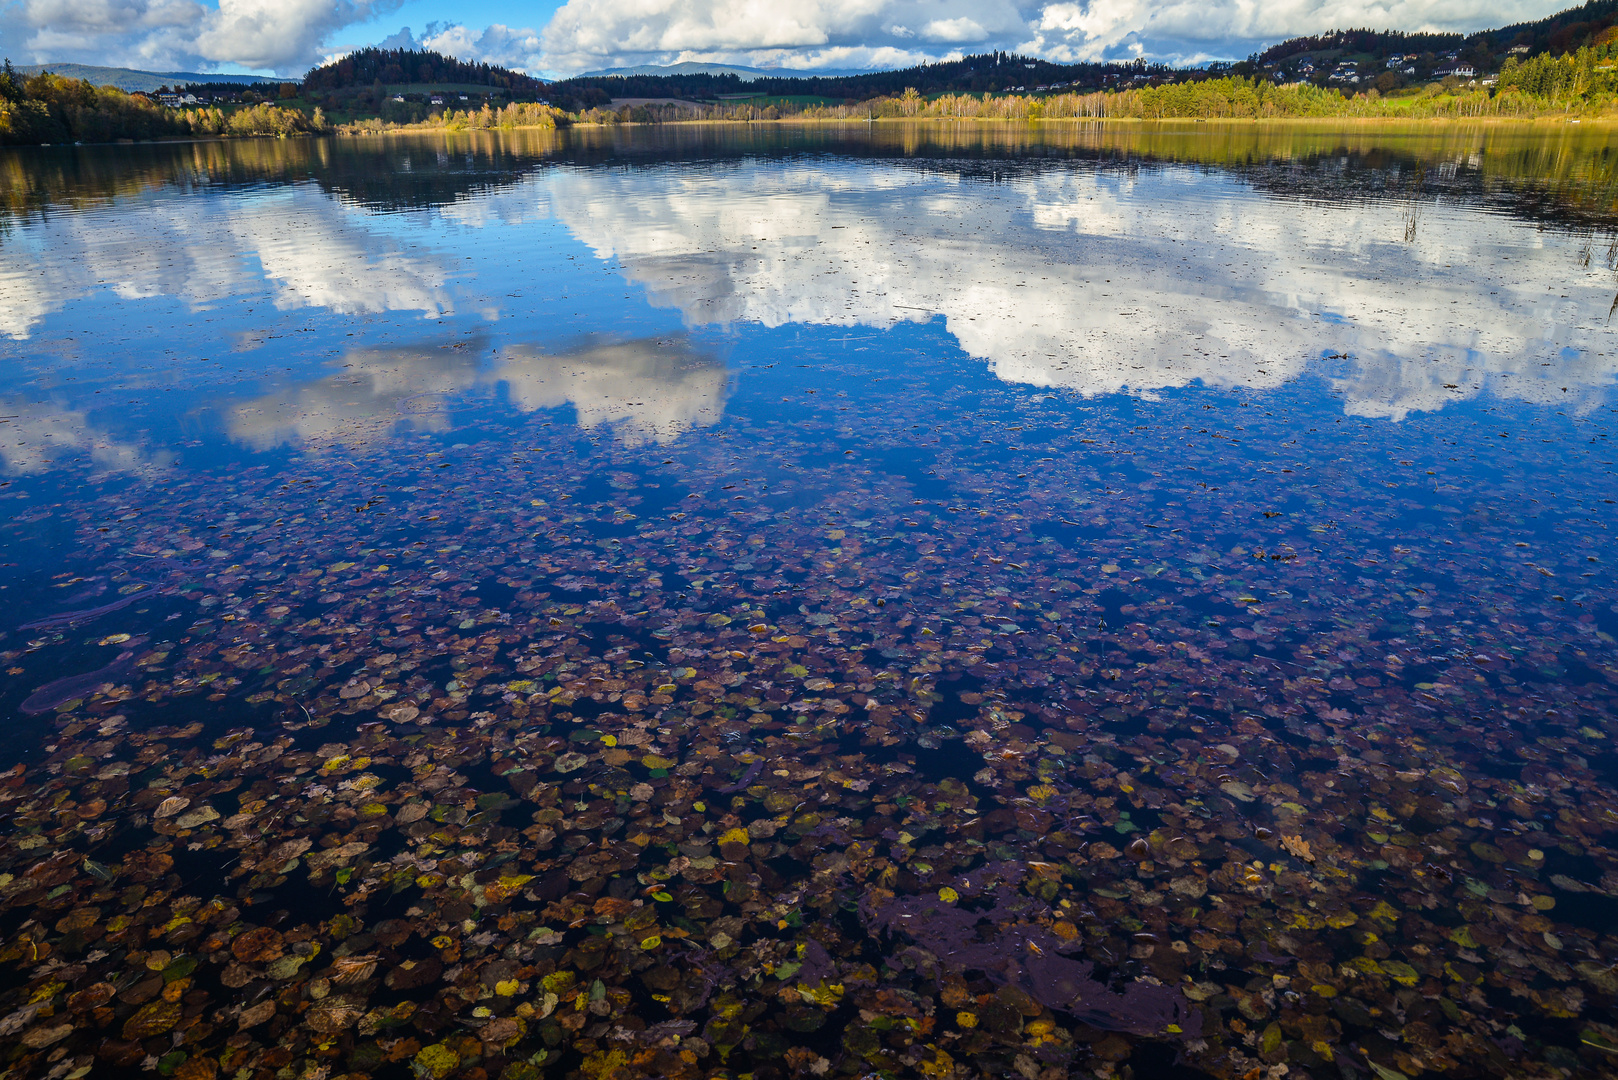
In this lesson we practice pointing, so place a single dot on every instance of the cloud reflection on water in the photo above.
(648, 390)
(1097, 279)
(36, 434)
(1104, 282)
(307, 248)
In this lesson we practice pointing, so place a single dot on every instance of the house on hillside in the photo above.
(436, 99)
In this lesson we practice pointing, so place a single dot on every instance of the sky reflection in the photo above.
(1084, 275)
(1103, 283)
(643, 391)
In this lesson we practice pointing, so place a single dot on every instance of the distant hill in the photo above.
(745, 74)
(394, 67)
(1424, 57)
(987, 73)
(129, 79)
(1556, 34)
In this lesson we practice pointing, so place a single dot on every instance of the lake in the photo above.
(775, 601)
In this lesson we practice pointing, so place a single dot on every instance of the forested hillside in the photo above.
(404, 66)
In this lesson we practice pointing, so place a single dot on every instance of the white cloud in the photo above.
(290, 35)
(598, 33)
(588, 34)
(497, 44)
(281, 35)
(1183, 31)
(954, 30)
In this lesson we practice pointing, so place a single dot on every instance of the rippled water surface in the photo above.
(809, 602)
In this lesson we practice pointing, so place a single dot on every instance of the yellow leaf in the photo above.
(948, 895)
(1298, 846)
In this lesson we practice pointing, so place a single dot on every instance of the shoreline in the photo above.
(1064, 121)
(1240, 122)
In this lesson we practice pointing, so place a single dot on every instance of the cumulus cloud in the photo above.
(814, 33)
(286, 36)
(954, 30)
(823, 33)
(1185, 31)
(497, 43)
(290, 35)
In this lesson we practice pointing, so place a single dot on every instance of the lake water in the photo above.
(776, 602)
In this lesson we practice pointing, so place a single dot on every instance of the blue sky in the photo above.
(555, 38)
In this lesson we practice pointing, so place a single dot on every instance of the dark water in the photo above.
(811, 602)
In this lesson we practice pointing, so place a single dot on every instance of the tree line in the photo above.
(1542, 86)
(47, 108)
(365, 67)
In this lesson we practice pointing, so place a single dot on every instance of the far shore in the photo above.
(360, 130)
(1060, 121)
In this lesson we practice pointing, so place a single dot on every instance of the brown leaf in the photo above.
(348, 970)
(40, 1037)
(254, 1015)
(171, 806)
(259, 945)
(197, 1068)
(332, 1016)
(1298, 846)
